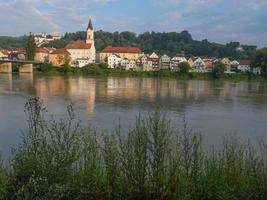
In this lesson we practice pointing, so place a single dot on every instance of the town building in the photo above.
(45, 38)
(59, 57)
(227, 63)
(4, 54)
(83, 52)
(154, 58)
(208, 64)
(130, 53)
(42, 55)
(165, 62)
(199, 65)
(244, 66)
(114, 61)
(175, 61)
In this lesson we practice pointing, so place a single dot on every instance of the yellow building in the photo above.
(41, 55)
(59, 57)
(130, 53)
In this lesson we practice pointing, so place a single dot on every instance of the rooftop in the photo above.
(80, 44)
(110, 49)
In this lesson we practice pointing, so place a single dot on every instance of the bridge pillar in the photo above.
(26, 68)
(6, 67)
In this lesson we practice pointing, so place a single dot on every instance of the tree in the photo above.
(260, 60)
(184, 67)
(218, 70)
(30, 47)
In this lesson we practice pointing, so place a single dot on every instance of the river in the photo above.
(214, 108)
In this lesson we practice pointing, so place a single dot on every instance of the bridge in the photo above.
(25, 66)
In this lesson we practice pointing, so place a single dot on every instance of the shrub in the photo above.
(218, 70)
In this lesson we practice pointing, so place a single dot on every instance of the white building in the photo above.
(199, 66)
(83, 52)
(175, 61)
(45, 38)
(114, 61)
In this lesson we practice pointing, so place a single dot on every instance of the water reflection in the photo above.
(214, 107)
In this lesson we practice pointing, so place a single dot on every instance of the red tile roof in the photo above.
(42, 50)
(80, 44)
(60, 51)
(110, 49)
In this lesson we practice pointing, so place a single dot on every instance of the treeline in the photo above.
(60, 160)
(7, 42)
(163, 43)
(170, 43)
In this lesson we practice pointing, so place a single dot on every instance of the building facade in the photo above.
(130, 53)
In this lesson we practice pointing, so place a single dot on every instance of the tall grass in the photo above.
(60, 159)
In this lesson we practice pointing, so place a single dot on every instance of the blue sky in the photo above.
(216, 20)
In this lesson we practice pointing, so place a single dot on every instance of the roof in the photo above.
(80, 44)
(60, 51)
(110, 49)
(244, 62)
(42, 50)
(90, 25)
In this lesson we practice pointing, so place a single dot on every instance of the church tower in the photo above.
(90, 39)
(90, 33)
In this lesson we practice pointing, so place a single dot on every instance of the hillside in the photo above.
(163, 43)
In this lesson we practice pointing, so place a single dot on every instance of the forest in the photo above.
(170, 43)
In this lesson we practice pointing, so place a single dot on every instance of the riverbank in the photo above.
(60, 159)
(101, 70)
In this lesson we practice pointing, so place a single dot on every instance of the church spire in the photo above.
(90, 25)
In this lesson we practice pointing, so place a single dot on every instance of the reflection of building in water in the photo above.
(131, 88)
(82, 89)
(49, 87)
(6, 82)
(78, 90)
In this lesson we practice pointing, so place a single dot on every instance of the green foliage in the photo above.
(184, 67)
(13, 42)
(30, 47)
(218, 70)
(260, 60)
(59, 159)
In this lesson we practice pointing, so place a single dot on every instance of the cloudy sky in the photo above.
(216, 20)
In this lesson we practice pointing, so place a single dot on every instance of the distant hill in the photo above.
(163, 43)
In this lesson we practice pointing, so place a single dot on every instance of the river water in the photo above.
(214, 108)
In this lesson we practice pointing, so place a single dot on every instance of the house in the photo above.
(83, 52)
(234, 66)
(154, 58)
(124, 63)
(244, 66)
(42, 55)
(175, 61)
(190, 62)
(199, 65)
(130, 53)
(227, 63)
(4, 54)
(59, 57)
(208, 64)
(131, 65)
(148, 66)
(45, 38)
(114, 61)
(165, 62)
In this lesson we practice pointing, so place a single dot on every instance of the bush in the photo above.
(184, 67)
(218, 70)
(62, 160)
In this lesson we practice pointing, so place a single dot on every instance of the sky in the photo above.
(219, 21)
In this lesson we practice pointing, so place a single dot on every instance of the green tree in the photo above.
(30, 47)
(184, 67)
(260, 60)
(218, 70)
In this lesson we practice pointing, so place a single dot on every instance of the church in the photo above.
(83, 52)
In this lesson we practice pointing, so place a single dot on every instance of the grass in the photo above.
(101, 70)
(60, 159)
